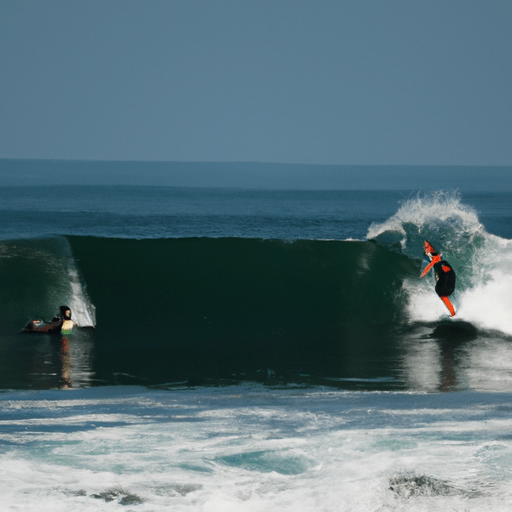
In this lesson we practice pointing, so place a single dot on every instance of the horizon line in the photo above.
(241, 162)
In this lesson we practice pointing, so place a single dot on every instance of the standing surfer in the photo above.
(445, 276)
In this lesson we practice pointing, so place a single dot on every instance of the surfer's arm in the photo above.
(427, 269)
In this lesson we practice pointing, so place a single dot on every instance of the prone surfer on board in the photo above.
(445, 276)
(61, 324)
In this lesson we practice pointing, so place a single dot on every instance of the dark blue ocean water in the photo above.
(176, 212)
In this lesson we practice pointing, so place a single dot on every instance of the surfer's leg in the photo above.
(449, 305)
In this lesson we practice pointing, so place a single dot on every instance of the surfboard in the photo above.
(39, 326)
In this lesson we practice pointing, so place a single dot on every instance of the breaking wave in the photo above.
(177, 309)
(483, 262)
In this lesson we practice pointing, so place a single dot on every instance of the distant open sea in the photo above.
(254, 336)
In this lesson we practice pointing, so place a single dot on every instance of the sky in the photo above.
(342, 82)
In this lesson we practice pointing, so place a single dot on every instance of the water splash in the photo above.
(482, 261)
(439, 216)
(84, 312)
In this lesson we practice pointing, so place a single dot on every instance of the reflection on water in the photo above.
(43, 361)
(66, 379)
(421, 366)
(437, 357)
(488, 365)
(453, 356)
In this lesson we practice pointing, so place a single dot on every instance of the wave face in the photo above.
(216, 306)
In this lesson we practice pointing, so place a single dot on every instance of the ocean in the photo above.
(243, 348)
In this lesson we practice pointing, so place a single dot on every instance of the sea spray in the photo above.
(481, 260)
(439, 216)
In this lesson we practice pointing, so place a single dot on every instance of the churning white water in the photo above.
(250, 448)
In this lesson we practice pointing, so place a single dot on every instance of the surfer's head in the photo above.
(65, 312)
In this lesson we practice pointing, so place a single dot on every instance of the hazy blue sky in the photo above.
(319, 82)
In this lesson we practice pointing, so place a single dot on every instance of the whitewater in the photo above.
(292, 360)
(251, 447)
(484, 287)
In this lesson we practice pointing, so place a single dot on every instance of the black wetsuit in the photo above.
(445, 278)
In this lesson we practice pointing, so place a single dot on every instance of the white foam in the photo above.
(84, 312)
(162, 452)
(490, 304)
(431, 210)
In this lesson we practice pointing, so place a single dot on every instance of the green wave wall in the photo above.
(202, 308)
(223, 307)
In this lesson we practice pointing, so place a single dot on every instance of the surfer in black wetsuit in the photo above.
(445, 278)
